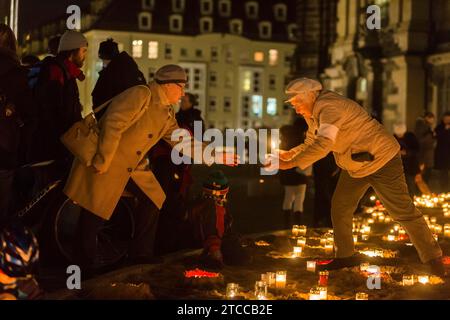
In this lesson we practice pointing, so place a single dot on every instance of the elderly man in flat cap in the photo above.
(369, 157)
(134, 122)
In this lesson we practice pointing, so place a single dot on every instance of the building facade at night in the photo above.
(402, 69)
(237, 53)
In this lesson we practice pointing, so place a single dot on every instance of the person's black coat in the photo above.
(442, 151)
(410, 145)
(186, 119)
(120, 74)
(13, 85)
(59, 108)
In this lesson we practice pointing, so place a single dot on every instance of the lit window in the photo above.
(178, 5)
(225, 8)
(272, 106)
(258, 56)
(148, 4)
(206, 24)
(168, 51)
(280, 12)
(292, 31)
(176, 23)
(236, 26)
(257, 105)
(145, 21)
(273, 57)
(137, 49)
(206, 7)
(247, 83)
(251, 8)
(265, 30)
(227, 104)
(153, 50)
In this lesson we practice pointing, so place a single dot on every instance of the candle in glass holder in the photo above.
(314, 293)
(364, 237)
(362, 296)
(295, 230)
(355, 238)
(323, 292)
(323, 278)
(232, 290)
(381, 218)
(437, 228)
(302, 230)
(408, 280)
(297, 252)
(387, 219)
(433, 220)
(423, 279)
(271, 278)
(261, 290)
(401, 231)
(370, 221)
(323, 240)
(364, 266)
(436, 237)
(391, 237)
(301, 242)
(447, 230)
(396, 227)
(281, 279)
(311, 266)
(329, 245)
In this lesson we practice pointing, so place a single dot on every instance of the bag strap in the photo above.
(103, 106)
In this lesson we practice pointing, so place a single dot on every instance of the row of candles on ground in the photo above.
(299, 233)
(438, 201)
(408, 280)
(278, 280)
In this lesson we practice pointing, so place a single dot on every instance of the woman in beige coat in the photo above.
(134, 122)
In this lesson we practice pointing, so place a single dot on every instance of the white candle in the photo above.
(323, 293)
(295, 230)
(232, 290)
(302, 230)
(355, 238)
(301, 241)
(423, 279)
(362, 296)
(408, 280)
(281, 279)
(314, 294)
(297, 252)
(311, 266)
(272, 278)
(391, 237)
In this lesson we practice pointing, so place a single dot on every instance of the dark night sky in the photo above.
(36, 12)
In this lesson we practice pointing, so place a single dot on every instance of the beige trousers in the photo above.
(390, 185)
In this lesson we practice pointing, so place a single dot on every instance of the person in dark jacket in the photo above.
(119, 73)
(59, 103)
(293, 180)
(16, 107)
(188, 114)
(425, 136)
(442, 152)
(409, 149)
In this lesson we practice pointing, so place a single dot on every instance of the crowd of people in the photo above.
(39, 103)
